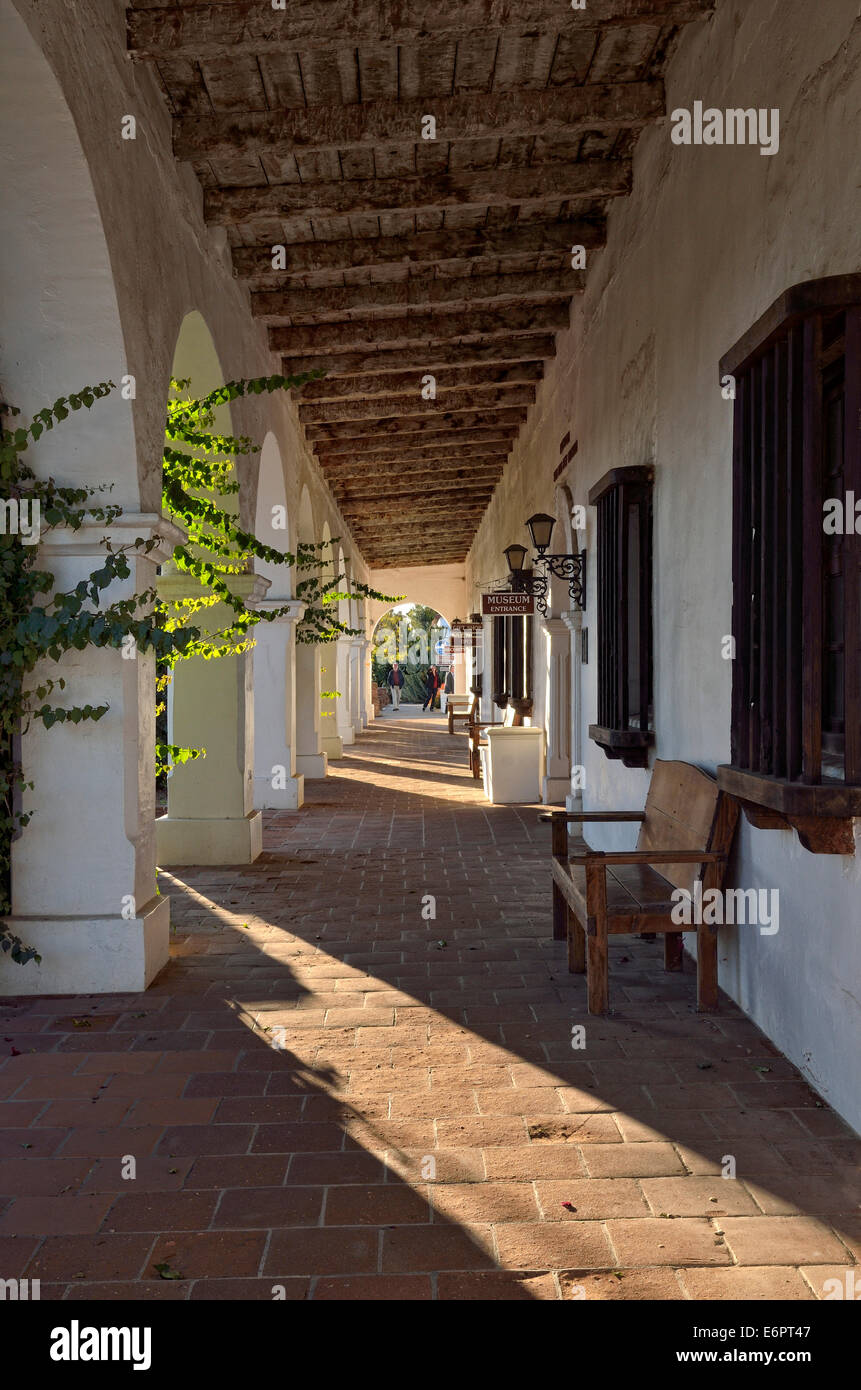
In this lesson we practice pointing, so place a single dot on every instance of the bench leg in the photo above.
(707, 969)
(673, 947)
(597, 984)
(560, 914)
(597, 975)
(576, 946)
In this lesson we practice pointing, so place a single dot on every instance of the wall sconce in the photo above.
(570, 567)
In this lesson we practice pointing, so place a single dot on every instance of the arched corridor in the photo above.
(463, 334)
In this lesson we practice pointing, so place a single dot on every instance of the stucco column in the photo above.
(556, 783)
(487, 708)
(344, 685)
(574, 623)
(277, 784)
(330, 738)
(211, 817)
(359, 682)
(367, 677)
(84, 869)
(311, 760)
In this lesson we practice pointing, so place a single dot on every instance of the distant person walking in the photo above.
(395, 680)
(438, 692)
(431, 679)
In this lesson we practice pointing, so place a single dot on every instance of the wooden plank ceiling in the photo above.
(403, 255)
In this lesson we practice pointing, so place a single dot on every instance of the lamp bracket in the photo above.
(570, 567)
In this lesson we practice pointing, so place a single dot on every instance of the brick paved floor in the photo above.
(327, 1092)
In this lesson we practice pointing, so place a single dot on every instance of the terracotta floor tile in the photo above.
(554, 1244)
(782, 1240)
(679, 1241)
(628, 1285)
(751, 1283)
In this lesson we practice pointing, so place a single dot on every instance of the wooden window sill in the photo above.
(630, 746)
(822, 815)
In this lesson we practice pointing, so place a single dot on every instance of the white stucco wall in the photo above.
(439, 586)
(709, 238)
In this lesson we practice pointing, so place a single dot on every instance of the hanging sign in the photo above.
(506, 604)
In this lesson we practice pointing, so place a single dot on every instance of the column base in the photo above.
(193, 841)
(332, 745)
(90, 955)
(347, 734)
(555, 789)
(287, 798)
(311, 765)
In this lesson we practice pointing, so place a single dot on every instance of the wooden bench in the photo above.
(687, 828)
(464, 710)
(475, 729)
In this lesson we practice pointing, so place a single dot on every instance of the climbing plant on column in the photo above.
(40, 624)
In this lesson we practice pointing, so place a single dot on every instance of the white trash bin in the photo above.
(513, 765)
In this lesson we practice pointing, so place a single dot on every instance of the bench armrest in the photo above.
(650, 856)
(558, 817)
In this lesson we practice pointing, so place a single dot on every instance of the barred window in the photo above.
(624, 729)
(796, 700)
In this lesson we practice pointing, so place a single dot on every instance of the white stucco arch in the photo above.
(58, 302)
(196, 358)
(442, 587)
(271, 510)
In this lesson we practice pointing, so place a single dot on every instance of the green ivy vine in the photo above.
(39, 624)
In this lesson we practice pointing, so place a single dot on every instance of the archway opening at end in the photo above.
(417, 638)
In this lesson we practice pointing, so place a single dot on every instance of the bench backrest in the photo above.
(686, 810)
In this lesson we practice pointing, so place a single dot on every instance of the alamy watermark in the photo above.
(735, 126)
(716, 907)
(842, 515)
(21, 516)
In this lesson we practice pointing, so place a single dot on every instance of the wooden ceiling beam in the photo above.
(418, 330)
(443, 458)
(401, 524)
(419, 292)
(474, 116)
(393, 481)
(419, 550)
(340, 412)
(343, 392)
(420, 505)
(223, 30)
(425, 358)
(393, 550)
(254, 263)
(440, 525)
(442, 423)
(407, 448)
(402, 559)
(554, 182)
(440, 496)
(411, 540)
(447, 495)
